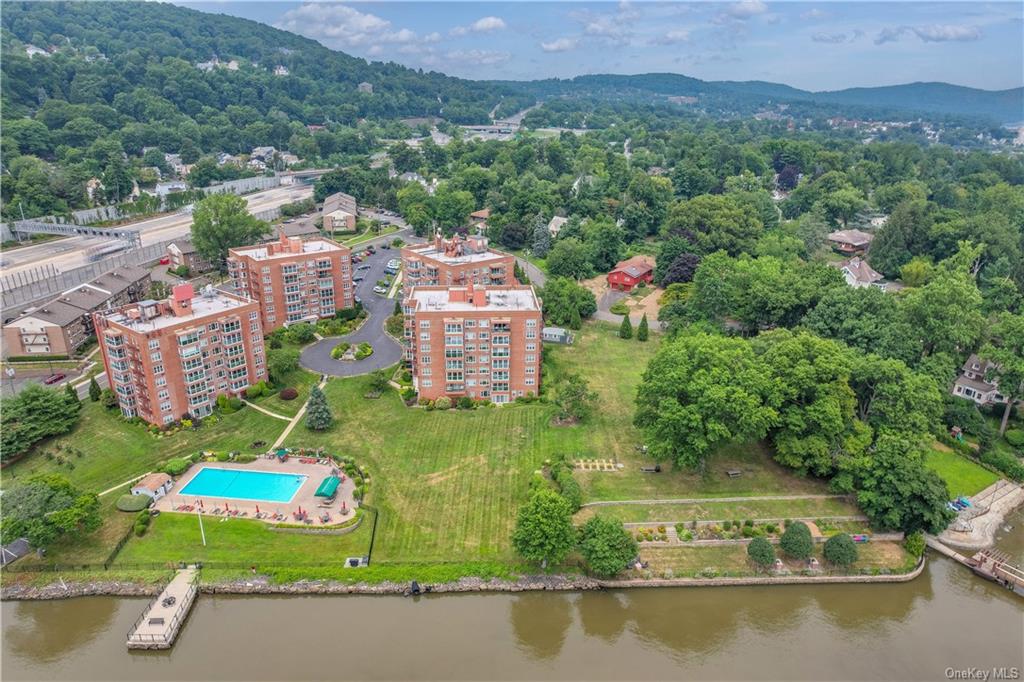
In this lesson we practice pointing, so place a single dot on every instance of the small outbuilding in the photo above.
(556, 335)
(154, 485)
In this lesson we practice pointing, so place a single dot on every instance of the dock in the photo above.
(989, 564)
(159, 624)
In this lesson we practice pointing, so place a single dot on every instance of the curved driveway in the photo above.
(386, 352)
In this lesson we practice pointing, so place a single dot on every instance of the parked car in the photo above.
(394, 263)
(370, 249)
(358, 278)
(363, 267)
(55, 378)
(385, 246)
(380, 290)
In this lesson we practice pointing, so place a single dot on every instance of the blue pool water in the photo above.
(234, 484)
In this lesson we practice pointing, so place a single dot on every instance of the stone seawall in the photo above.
(559, 583)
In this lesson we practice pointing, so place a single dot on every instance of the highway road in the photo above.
(67, 254)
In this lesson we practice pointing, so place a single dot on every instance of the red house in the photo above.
(630, 272)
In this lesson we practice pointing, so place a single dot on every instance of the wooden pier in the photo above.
(159, 624)
(990, 564)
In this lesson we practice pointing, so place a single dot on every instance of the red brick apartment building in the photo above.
(456, 262)
(475, 341)
(293, 280)
(166, 359)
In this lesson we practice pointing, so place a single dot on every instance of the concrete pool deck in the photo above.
(304, 496)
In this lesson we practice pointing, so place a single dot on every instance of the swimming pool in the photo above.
(235, 484)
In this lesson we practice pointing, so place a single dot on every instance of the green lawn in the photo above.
(115, 451)
(724, 511)
(963, 476)
(368, 234)
(614, 367)
(299, 379)
(175, 537)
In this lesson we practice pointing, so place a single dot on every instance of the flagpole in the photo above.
(201, 531)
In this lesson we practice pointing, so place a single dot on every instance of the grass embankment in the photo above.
(299, 379)
(732, 560)
(963, 476)
(369, 234)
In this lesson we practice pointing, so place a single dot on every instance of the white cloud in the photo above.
(833, 38)
(676, 35)
(342, 26)
(482, 25)
(560, 45)
(474, 56)
(934, 33)
(746, 9)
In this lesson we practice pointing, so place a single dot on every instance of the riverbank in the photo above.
(261, 585)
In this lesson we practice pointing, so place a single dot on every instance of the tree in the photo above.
(796, 542)
(719, 222)
(626, 328)
(221, 222)
(1006, 351)
(642, 331)
(606, 546)
(451, 207)
(569, 258)
(841, 550)
(842, 205)
(32, 415)
(903, 236)
(280, 362)
(566, 302)
(681, 269)
(108, 399)
(946, 313)
(318, 413)
(544, 531)
(761, 552)
(379, 380)
(94, 390)
(867, 319)
(541, 244)
(700, 391)
(44, 507)
(605, 241)
(72, 396)
(916, 272)
(574, 399)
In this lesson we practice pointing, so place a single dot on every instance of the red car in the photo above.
(54, 378)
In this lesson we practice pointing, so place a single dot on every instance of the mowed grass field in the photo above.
(773, 510)
(299, 379)
(963, 476)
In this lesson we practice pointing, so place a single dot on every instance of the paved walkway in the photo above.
(121, 485)
(295, 420)
(704, 500)
(537, 278)
(316, 357)
(266, 411)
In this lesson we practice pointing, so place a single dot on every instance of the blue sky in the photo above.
(812, 45)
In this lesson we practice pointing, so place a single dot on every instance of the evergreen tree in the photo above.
(541, 240)
(761, 552)
(94, 390)
(318, 414)
(626, 330)
(797, 541)
(575, 322)
(398, 307)
(641, 331)
(72, 395)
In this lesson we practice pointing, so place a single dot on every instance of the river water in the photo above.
(946, 618)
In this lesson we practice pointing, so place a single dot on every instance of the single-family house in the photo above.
(262, 153)
(281, 70)
(556, 335)
(224, 159)
(365, 87)
(630, 272)
(859, 274)
(479, 218)
(33, 51)
(972, 384)
(854, 242)
(303, 230)
(288, 159)
(162, 189)
(14, 550)
(154, 485)
(555, 225)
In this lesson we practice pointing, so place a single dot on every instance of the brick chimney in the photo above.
(181, 299)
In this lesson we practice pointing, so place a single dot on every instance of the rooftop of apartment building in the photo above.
(457, 251)
(287, 247)
(84, 297)
(182, 306)
(474, 298)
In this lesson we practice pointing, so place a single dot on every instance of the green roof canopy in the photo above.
(328, 487)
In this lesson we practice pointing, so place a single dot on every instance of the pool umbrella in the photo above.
(226, 507)
(200, 504)
(257, 509)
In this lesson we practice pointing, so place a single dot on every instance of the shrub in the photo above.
(340, 350)
(428, 406)
(108, 399)
(606, 546)
(177, 466)
(1005, 462)
(443, 403)
(406, 377)
(796, 541)
(761, 552)
(253, 392)
(915, 544)
(408, 394)
(1015, 437)
(235, 403)
(749, 523)
(288, 394)
(223, 457)
(619, 308)
(465, 403)
(570, 489)
(364, 350)
(841, 550)
(727, 525)
(245, 459)
(140, 528)
(132, 503)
